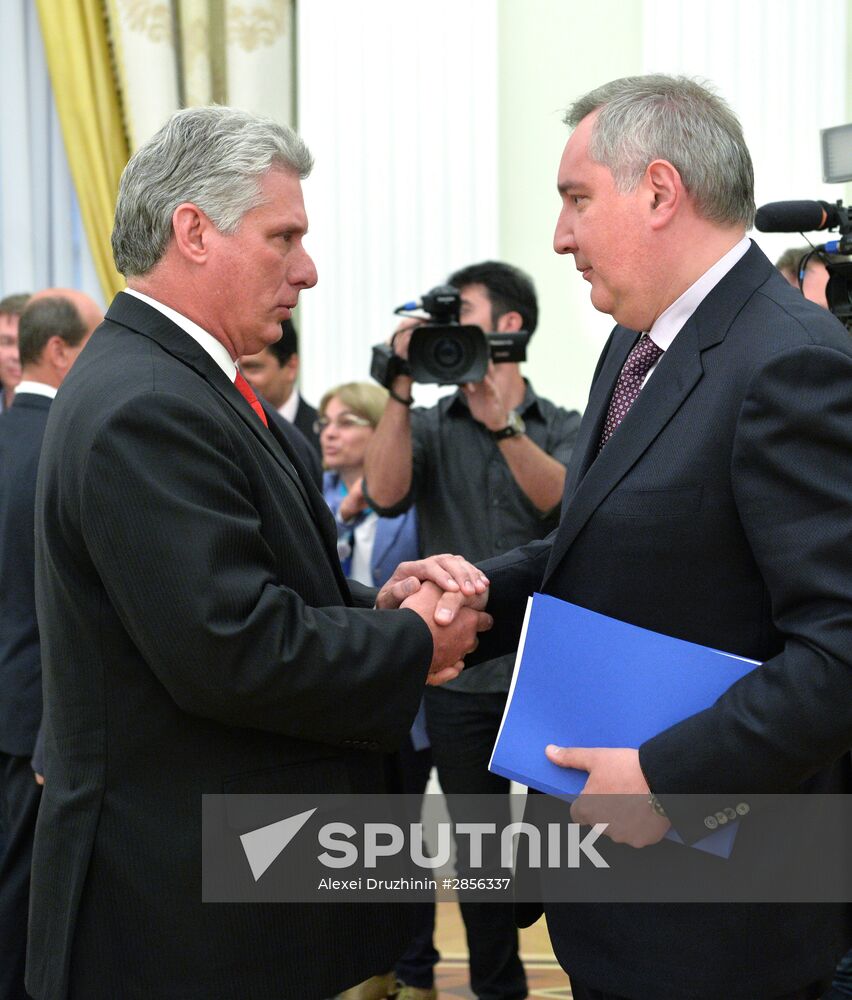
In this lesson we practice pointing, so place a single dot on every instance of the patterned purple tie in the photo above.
(639, 362)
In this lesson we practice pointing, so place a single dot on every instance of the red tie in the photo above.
(250, 397)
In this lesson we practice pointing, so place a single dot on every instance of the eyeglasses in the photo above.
(343, 421)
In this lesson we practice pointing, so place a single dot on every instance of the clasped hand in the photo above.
(449, 594)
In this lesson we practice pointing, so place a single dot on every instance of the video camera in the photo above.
(442, 351)
(811, 216)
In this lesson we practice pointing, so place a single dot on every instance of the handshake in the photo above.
(449, 594)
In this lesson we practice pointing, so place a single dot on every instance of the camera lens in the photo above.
(448, 355)
(447, 352)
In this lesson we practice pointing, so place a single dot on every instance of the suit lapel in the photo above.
(674, 378)
(131, 312)
(318, 507)
(144, 319)
(586, 445)
(591, 479)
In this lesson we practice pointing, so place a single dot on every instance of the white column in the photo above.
(397, 100)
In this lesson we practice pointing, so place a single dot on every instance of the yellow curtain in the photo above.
(78, 57)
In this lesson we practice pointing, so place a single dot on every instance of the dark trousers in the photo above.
(582, 992)
(409, 775)
(462, 728)
(19, 799)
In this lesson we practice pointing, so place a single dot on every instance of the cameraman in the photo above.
(486, 468)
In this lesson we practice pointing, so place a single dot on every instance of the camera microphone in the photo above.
(796, 216)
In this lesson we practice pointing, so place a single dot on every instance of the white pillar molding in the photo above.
(397, 100)
(784, 79)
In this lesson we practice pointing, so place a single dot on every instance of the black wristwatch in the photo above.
(513, 428)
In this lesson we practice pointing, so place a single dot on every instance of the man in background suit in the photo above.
(11, 308)
(708, 499)
(198, 635)
(299, 443)
(273, 372)
(53, 330)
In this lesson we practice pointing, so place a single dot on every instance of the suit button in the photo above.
(743, 808)
(730, 813)
(711, 822)
(722, 818)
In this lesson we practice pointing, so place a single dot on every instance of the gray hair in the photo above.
(674, 118)
(52, 316)
(214, 157)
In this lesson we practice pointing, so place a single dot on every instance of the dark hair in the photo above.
(49, 317)
(509, 290)
(14, 305)
(284, 349)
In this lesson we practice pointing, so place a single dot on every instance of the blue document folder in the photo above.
(585, 680)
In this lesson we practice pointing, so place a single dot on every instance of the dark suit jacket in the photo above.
(304, 449)
(198, 636)
(21, 432)
(306, 416)
(717, 513)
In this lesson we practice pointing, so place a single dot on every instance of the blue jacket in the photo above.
(396, 537)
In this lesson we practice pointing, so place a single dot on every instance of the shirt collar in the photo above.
(217, 351)
(35, 388)
(670, 322)
(289, 408)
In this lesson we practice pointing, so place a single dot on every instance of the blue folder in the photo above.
(582, 679)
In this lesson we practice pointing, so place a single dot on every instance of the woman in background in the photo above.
(370, 548)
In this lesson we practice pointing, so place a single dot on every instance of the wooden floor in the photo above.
(544, 976)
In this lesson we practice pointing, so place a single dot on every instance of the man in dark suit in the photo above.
(53, 329)
(273, 372)
(198, 635)
(707, 498)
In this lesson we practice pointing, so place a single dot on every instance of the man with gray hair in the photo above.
(54, 328)
(198, 635)
(707, 499)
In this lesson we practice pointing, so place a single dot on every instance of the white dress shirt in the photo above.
(290, 406)
(672, 320)
(217, 351)
(35, 388)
